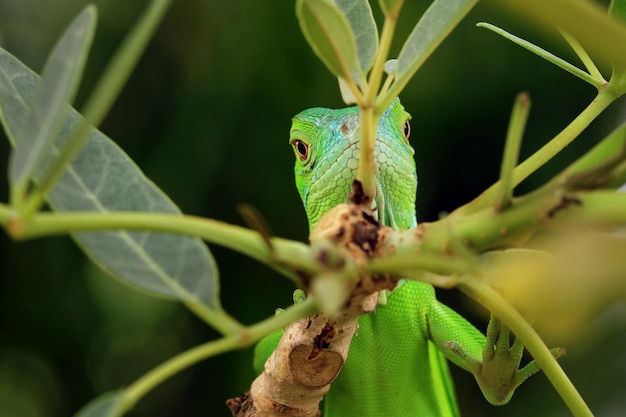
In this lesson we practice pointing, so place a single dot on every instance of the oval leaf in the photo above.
(102, 178)
(60, 78)
(361, 20)
(328, 32)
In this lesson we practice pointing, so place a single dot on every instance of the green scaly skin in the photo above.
(396, 365)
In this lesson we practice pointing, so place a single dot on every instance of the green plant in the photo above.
(475, 223)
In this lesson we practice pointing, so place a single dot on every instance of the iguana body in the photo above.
(396, 365)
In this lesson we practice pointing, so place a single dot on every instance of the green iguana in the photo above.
(396, 364)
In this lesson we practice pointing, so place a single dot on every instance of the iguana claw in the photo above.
(498, 374)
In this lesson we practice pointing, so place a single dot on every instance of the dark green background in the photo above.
(206, 115)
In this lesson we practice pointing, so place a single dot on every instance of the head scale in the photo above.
(326, 144)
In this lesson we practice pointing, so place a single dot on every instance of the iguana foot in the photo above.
(498, 374)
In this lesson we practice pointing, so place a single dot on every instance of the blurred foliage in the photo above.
(206, 115)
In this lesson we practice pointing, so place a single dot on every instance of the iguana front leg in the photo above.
(499, 373)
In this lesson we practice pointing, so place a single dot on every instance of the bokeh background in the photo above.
(206, 115)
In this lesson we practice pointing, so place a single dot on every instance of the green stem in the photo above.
(584, 57)
(608, 151)
(246, 241)
(366, 170)
(597, 82)
(370, 115)
(387, 84)
(218, 319)
(487, 229)
(18, 193)
(519, 116)
(400, 261)
(68, 222)
(243, 338)
(486, 296)
(595, 208)
(101, 100)
(386, 38)
(604, 98)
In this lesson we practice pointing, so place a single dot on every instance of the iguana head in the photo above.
(326, 144)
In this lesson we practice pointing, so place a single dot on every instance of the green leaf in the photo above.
(57, 87)
(328, 32)
(617, 9)
(105, 92)
(105, 405)
(361, 20)
(103, 179)
(434, 26)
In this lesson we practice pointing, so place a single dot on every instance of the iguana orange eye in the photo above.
(301, 148)
(407, 130)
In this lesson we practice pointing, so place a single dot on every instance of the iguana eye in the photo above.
(301, 148)
(407, 130)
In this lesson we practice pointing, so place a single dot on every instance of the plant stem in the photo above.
(597, 208)
(218, 319)
(584, 57)
(386, 38)
(604, 98)
(243, 240)
(243, 338)
(366, 171)
(548, 56)
(399, 261)
(489, 298)
(370, 114)
(519, 115)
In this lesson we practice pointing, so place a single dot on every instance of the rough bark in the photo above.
(312, 351)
